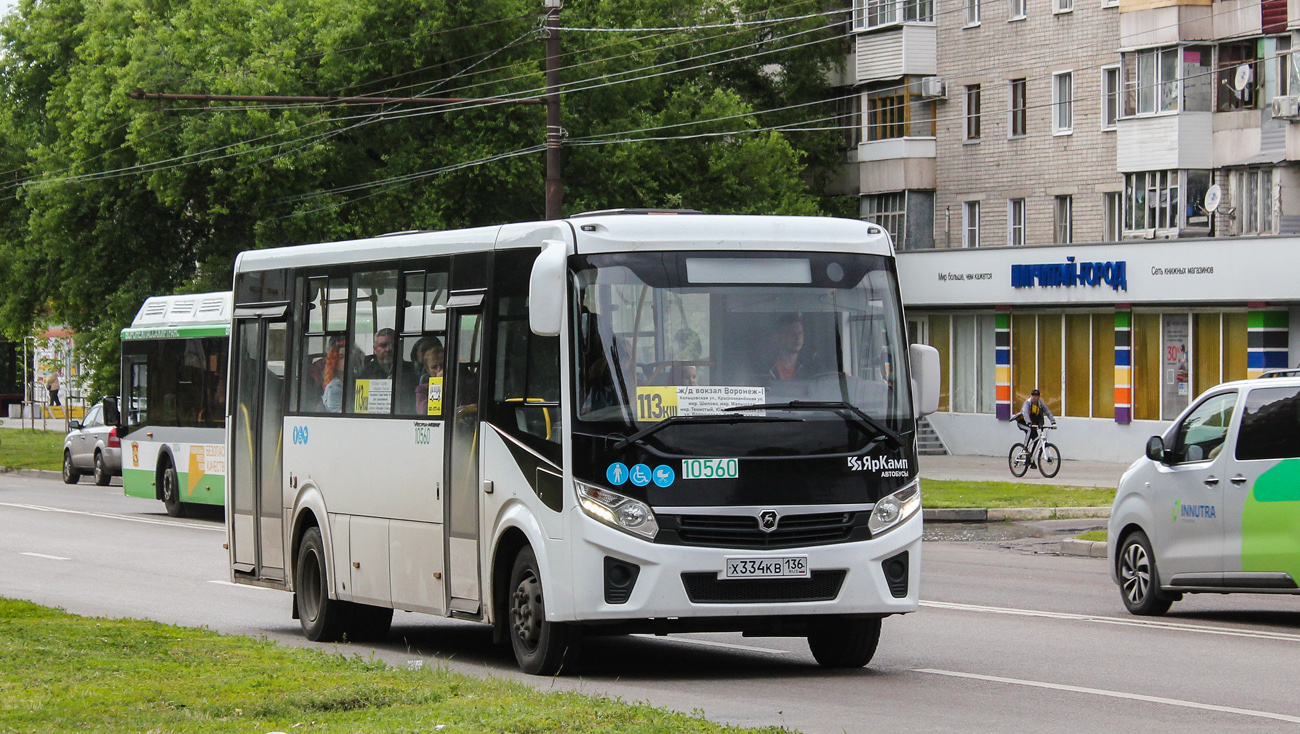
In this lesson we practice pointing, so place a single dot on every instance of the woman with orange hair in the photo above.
(332, 396)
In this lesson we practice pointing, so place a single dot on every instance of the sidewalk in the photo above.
(994, 469)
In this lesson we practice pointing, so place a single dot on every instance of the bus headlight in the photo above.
(892, 510)
(617, 511)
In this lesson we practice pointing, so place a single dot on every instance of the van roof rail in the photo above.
(607, 212)
(1281, 373)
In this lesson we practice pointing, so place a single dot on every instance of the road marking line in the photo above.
(1116, 694)
(711, 643)
(111, 516)
(1150, 623)
(42, 555)
(240, 586)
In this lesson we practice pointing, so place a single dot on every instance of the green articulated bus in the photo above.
(174, 400)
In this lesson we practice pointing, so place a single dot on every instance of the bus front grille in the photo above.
(740, 531)
(707, 588)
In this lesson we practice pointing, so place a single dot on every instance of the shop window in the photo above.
(939, 339)
(974, 369)
(1146, 366)
(1078, 362)
(1051, 377)
(1236, 77)
(1103, 365)
(1235, 346)
(1207, 344)
(1024, 358)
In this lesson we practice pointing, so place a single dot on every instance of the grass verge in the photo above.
(25, 448)
(937, 493)
(59, 672)
(1095, 535)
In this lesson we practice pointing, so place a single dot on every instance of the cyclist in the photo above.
(1032, 417)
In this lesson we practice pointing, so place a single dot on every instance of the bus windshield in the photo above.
(682, 334)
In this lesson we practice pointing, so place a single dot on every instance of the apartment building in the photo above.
(1096, 198)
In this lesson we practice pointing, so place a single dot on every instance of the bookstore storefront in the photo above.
(1119, 338)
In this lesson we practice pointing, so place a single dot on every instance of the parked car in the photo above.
(93, 446)
(1214, 506)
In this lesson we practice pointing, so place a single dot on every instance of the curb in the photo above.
(1090, 548)
(1001, 514)
(42, 473)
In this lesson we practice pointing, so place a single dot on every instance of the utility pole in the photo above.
(554, 133)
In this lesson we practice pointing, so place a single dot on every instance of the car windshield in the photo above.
(694, 334)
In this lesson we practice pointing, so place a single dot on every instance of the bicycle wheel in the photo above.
(1018, 460)
(1049, 460)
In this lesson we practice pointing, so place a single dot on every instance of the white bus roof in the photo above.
(594, 234)
(175, 317)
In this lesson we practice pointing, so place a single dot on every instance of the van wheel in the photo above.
(102, 477)
(323, 619)
(844, 642)
(370, 623)
(171, 491)
(1139, 581)
(541, 647)
(70, 473)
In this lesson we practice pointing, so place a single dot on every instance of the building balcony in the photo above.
(895, 148)
(896, 164)
(1165, 142)
(908, 49)
(1145, 23)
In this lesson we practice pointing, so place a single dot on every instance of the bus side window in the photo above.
(422, 354)
(526, 368)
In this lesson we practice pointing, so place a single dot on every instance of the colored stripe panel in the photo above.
(1123, 368)
(1123, 397)
(1268, 320)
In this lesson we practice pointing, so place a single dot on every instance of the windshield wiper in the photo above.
(698, 419)
(847, 410)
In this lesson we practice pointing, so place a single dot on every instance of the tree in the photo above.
(107, 200)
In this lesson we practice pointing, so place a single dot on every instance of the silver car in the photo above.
(93, 447)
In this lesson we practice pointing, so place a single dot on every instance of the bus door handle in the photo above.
(1211, 481)
(1239, 480)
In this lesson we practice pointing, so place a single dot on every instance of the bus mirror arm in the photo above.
(925, 378)
(546, 288)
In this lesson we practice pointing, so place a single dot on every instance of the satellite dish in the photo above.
(1212, 198)
(1243, 77)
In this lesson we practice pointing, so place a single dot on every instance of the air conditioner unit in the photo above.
(931, 86)
(1286, 108)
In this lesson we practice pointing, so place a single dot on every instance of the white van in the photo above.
(1214, 506)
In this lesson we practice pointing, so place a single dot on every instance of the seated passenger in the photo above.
(787, 342)
(432, 357)
(381, 365)
(332, 395)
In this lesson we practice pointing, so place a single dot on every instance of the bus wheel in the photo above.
(102, 477)
(541, 647)
(70, 473)
(844, 642)
(369, 623)
(171, 491)
(323, 619)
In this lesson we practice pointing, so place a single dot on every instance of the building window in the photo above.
(1062, 6)
(1151, 200)
(1151, 81)
(972, 8)
(886, 115)
(908, 216)
(1111, 211)
(1015, 221)
(1254, 201)
(876, 13)
(1063, 220)
(970, 224)
(1109, 97)
(1236, 77)
(1018, 106)
(1282, 70)
(1063, 103)
(1017, 9)
(973, 112)
(848, 115)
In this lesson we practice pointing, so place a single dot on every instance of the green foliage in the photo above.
(64, 673)
(106, 200)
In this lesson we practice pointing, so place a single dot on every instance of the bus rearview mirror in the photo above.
(925, 378)
(546, 289)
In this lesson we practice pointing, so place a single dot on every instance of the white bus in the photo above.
(173, 406)
(613, 423)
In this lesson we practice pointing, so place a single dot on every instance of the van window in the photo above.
(1270, 424)
(1201, 434)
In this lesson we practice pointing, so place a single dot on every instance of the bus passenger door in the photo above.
(466, 330)
(256, 499)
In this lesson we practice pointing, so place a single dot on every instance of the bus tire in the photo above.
(541, 647)
(171, 491)
(1139, 579)
(844, 642)
(70, 473)
(370, 623)
(102, 477)
(323, 619)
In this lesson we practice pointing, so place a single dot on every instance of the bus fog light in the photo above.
(617, 511)
(893, 509)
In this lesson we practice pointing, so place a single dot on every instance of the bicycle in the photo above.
(1039, 453)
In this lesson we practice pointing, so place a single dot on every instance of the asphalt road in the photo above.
(1010, 638)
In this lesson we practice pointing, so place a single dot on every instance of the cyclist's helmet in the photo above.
(1034, 392)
